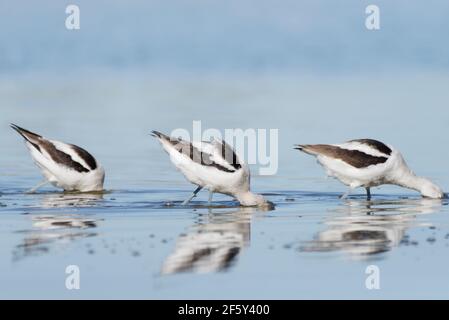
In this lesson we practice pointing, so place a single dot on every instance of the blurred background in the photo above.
(308, 68)
(308, 36)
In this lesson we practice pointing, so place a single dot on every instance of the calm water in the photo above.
(137, 241)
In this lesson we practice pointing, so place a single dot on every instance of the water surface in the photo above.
(137, 241)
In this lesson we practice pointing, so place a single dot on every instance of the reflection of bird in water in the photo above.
(61, 200)
(211, 245)
(369, 228)
(57, 222)
(53, 229)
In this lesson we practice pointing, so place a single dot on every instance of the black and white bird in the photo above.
(213, 166)
(369, 163)
(63, 165)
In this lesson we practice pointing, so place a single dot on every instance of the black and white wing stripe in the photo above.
(360, 153)
(67, 155)
(374, 144)
(217, 154)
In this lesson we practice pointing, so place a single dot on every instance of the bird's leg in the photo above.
(210, 198)
(41, 184)
(368, 194)
(345, 195)
(192, 196)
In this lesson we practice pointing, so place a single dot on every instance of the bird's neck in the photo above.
(408, 179)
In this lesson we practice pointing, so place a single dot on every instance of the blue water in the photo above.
(136, 241)
(306, 68)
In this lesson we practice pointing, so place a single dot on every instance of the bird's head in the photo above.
(249, 199)
(430, 190)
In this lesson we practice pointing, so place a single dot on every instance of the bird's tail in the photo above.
(29, 136)
(159, 135)
(306, 148)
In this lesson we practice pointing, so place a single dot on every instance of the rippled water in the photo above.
(137, 241)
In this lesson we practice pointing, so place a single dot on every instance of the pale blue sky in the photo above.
(311, 36)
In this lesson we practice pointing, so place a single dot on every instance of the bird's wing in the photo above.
(69, 156)
(370, 146)
(224, 155)
(213, 154)
(355, 158)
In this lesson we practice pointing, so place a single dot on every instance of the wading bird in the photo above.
(213, 166)
(63, 165)
(369, 163)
